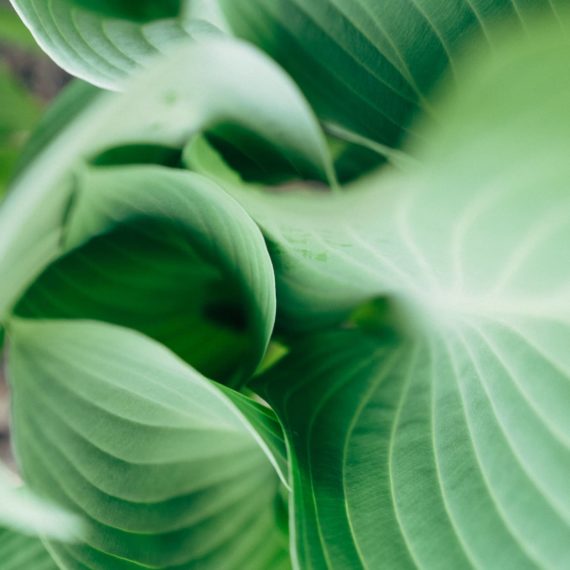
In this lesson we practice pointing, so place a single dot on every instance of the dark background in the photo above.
(34, 70)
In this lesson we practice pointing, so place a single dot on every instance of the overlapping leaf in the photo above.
(171, 255)
(368, 65)
(19, 551)
(143, 10)
(167, 468)
(224, 82)
(443, 439)
(438, 439)
(105, 44)
(23, 512)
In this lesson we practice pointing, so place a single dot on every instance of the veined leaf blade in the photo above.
(171, 478)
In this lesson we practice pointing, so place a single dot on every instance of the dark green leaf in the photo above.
(139, 11)
(171, 255)
(370, 65)
(18, 114)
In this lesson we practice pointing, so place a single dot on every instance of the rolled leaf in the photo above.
(223, 81)
(171, 255)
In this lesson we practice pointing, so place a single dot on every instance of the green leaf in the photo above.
(436, 452)
(100, 48)
(443, 439)
(369, 66)
(140, 11)
(405, 235)
(208, 10)
(20, 552)
(223, 82)
(167, 468)
(169, 254)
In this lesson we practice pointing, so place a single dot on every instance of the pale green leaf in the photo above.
(98, 47)
(443, 439)
(26, 513)
(447, 451)
(223, 82)
(468, 228)
(167, 468)
(20, 552)
(208, 10)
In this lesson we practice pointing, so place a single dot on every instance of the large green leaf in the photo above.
(168, 469)
(443, 451)
(442, 438)
(369, 65)
(423, 235)
(223, 81)
(20, 552)
(100, 48)
(169, 254)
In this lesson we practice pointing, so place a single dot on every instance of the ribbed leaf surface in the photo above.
(443, 439)
(165, 466)
(171, 255)
(367, 64)
(20, 552)
(22, 511)
(224, 81)
(97, 46)
(444, 452)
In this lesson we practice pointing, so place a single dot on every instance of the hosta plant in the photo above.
(288, 286)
